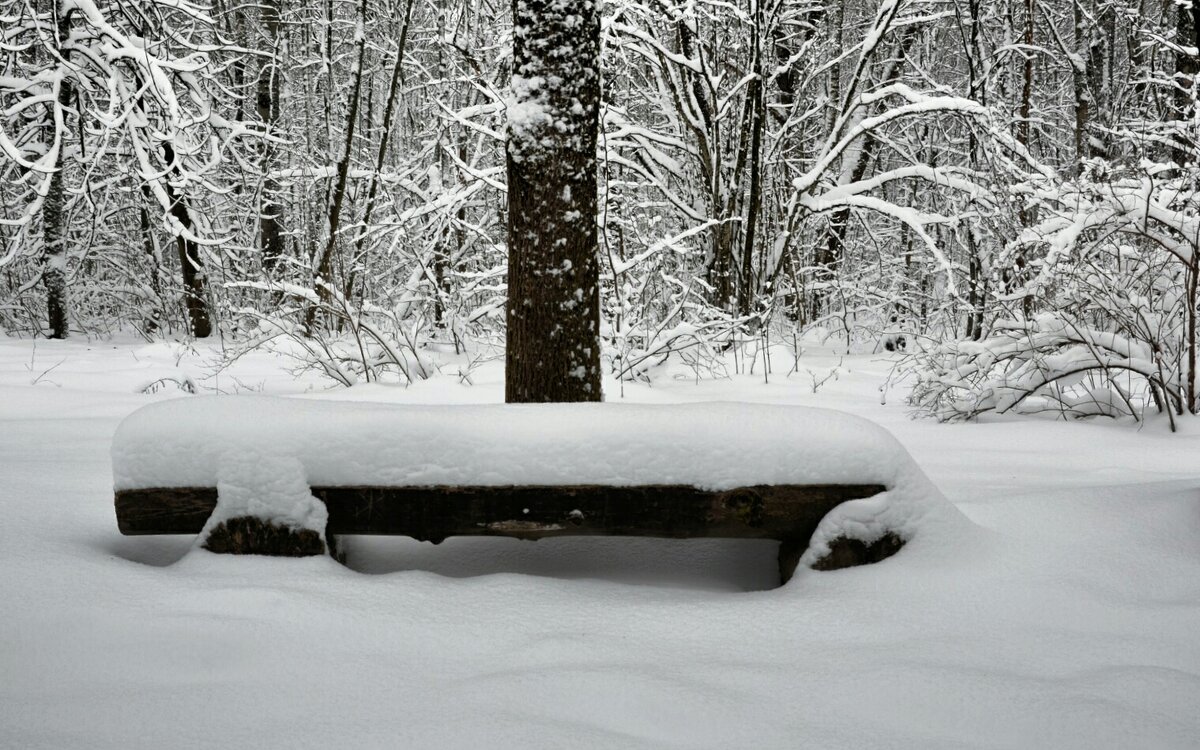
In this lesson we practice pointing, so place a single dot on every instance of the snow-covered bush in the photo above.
(1049, 363)
(360, 344)
(1114, 270)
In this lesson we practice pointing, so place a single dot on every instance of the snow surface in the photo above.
(716, 446)
(1066, 618)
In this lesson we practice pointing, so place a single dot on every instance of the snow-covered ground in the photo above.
(1069, 618)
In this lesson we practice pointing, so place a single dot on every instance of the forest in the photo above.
(590, 374)
(1003, 189)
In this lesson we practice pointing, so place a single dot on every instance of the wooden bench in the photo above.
(788, 512)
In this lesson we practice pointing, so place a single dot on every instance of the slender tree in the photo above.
(267, 96)
(54, 225)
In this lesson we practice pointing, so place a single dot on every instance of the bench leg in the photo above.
(845, 552)
(334, 543)
(249, 535)
(790, 552)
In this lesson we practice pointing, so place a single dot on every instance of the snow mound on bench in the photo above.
(712, 446)
(267, 486)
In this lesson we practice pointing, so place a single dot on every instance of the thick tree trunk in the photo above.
(553, 351)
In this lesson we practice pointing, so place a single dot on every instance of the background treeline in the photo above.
(1005, 187)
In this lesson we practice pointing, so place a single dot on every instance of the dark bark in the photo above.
(389, 109)
(324, 278)
(553, 313)
(1101, 44)
(758, 122)
(190, 262)
(788, 513)
(1080, 82)
(54, 230)
(526, 512)
(830, 253)
(54, 271)
(697, 111)
(977, 280)
(845, 552)
(1192, 276)
(249, 535)
(977, 288)
(154, 258)
(1026, 106)
(1187, 67)
(1017, 275)
(270, 220)
(785, 77)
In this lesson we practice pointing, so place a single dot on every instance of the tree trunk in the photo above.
(324, 278)
(553, 351)
(757, 107)
(1187, 67)
(1080, 80)
(389, 109)
(1024, 128)
(833, 250)
(54, 272)
(190, 262)
(1026, 108)
(270, 211)
(153, 258)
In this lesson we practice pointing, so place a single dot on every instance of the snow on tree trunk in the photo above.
(190, 262)
(54, 273)
(271, 240)
(553, 348)
(324, 281)
(54, 228)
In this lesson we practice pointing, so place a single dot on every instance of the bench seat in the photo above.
(525, 471)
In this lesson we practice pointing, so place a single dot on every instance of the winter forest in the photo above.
(1006, 190)
(840, 357)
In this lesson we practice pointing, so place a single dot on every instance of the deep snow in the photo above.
(1069, 618)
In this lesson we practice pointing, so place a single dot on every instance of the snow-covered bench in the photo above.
(207, 464)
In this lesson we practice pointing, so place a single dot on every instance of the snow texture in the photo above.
(267, 486)
(1064, 616)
